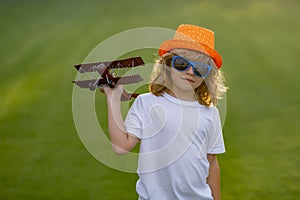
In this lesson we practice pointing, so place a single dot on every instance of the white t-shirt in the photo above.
(176, 137)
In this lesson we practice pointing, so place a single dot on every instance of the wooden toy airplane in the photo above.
(107, 78)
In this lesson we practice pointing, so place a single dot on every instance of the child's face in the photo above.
(185, 80)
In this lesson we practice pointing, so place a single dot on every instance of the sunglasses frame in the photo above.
(191, 63)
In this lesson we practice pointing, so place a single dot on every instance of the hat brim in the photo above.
(168, 45)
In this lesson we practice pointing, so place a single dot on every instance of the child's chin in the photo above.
(186, 87)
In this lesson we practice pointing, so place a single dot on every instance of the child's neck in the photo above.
(183, 95)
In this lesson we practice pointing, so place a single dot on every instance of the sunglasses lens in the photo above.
(180, 63)
(202, 69)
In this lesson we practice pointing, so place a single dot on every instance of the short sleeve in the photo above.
(133, 121)
(215, 141)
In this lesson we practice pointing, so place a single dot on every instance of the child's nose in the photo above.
(190, 70)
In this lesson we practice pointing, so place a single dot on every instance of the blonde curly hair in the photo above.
(208, 93)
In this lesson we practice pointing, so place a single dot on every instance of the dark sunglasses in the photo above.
(182, 64)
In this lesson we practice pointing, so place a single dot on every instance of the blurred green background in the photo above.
(41, 154)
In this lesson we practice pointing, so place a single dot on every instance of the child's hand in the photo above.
(112, 92)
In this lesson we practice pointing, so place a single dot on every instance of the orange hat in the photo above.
(194, 38)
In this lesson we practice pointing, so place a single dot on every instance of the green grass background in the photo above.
(41, 154)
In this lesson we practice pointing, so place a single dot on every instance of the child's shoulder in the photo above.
(149, 99)
(213, 109)
(214, 113)
(146, 97)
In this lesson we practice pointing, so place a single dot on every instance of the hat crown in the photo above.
(195, 38)
(195, 34)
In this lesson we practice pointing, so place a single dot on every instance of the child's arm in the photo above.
(122, 142)
(213, 179)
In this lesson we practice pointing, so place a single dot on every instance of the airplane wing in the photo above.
(92, 85)
(125, 63)
(95, 83)
(129, 79)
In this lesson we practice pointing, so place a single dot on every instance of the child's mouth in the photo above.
(189, 80)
